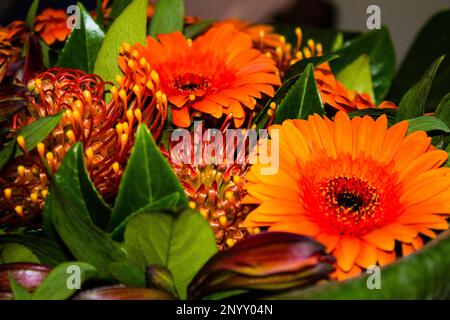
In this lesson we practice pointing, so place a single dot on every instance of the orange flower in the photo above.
(337, 96)
(12, 38)
(275, 46)
(51, 24)
(354, 185)
(217, 73)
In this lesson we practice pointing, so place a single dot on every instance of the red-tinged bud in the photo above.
(123, 293)
(28, 275)
(266, 261)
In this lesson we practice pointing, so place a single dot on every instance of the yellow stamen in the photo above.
(19, 211)
(115, 167)
(21, 142)
(44, 193)
(8, 193)
(119, 79)
(229, 242)
(21, 171)
(41, 149)
(192, 97)
(49, 156)
(130, 115)
(138, 115)
(155, 76)
(273, 105)
(192, 204)
(87, 95)
(34, 197)
(71, 136)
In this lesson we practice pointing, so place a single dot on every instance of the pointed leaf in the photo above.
(148, 178)
(427, 123)
(129, 27)
(180, 242)
(414, 101)
(356, 76)
(71, 216)
(31, 14)
(83, 44)
(378, 46)
(168, 17)
(302, 100)
(196, 29)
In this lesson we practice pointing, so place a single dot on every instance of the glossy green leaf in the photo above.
(430, 43)
(302, 100)
(117, 7)
(56, 285)
(148, 178)
(181, 242)
(356, 76)
(168, 17)
(31, 14)
(13, 252)
(45, 250)
(71, 217)
(377, 45)
(83, 44)
(127, 273)
(169, 202)
(443, 110)
(129, 27)
(19, 292)
(196, 29)
(422, 275)
(414, 101)
(427, 123)
(33, 133)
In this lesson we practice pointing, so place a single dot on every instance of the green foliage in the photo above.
(31, 14)
(182, 242)
(302, 100)
(83, 44)
(427, 123)
(168, 17)
(129, 27)
(413, 102)
(431, 42)
(377, 45)
(356, 76)
(147, 180)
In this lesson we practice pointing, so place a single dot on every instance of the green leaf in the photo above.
(378, 46)
(19, 292)
(13, 252)
(117, 7)
(148, 178)
(46, 251)
(83, 44)
(170, 202)
(31, 14)
(375, 113)
(196, 29)
(414, 101)
(180, 242)
(71, 215)
(443, 110)
(168, 17)
(302, 100)
(127, 273)
(356, 76)
(56, 284)
(430, 43)
(129, 27)
(427, 123)
(422, 275)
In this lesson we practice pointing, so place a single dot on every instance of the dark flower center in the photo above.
(189, 82)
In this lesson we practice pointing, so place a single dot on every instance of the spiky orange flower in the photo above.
(12, 38)
(218, 73)
(334, 93)
(354, 185)
(106, 130)
(275, 46)
(51, 24)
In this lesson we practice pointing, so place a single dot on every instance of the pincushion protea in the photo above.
(354, 185)
(105, 129)
(217, 74)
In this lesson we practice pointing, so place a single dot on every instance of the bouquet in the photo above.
(145, 154)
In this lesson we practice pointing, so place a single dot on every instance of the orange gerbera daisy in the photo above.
(334, 93)
(51, 24)
(354, 185)
(217, 73)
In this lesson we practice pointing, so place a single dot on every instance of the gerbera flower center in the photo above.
(189, 82)
(346, 204)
